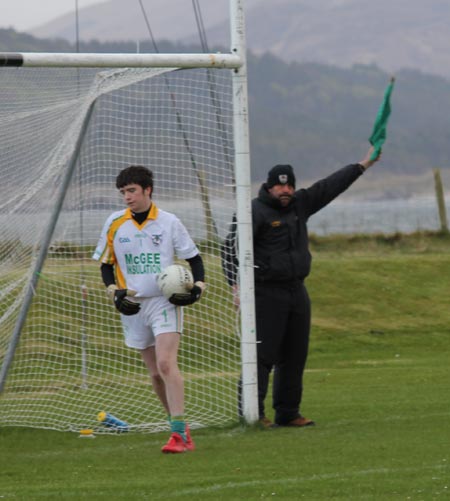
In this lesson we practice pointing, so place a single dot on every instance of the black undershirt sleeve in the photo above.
(107, 271)
(198, 270)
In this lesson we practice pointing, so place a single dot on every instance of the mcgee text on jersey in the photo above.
(143, 263)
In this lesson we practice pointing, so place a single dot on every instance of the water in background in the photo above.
(340, 217)
(381, 216)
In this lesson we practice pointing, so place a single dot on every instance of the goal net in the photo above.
(70, 362)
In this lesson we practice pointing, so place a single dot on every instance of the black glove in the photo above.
(186, 298)
(124, 305)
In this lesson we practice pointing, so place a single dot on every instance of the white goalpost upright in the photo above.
(68, 124)
(244, 218)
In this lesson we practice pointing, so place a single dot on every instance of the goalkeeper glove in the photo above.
(119, 297)
(189, 297)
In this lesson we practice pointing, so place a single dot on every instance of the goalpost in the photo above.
(68, 124)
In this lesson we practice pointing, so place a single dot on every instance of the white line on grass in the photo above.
(377, 419)
(312, 478)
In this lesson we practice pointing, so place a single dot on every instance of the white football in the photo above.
(175, 279)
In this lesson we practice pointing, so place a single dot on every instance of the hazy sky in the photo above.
(25, 14)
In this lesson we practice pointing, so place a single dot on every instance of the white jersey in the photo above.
(139, 252)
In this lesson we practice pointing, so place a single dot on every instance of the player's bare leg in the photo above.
(166, 351)
(149, 358)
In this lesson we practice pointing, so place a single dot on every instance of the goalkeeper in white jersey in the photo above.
(135, 245)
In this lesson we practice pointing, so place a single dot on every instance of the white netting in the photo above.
(71, 362)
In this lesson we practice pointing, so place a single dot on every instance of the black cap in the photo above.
(281, 174)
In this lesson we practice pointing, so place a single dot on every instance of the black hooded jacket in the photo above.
(280, 235)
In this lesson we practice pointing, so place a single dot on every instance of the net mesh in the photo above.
(71, 362)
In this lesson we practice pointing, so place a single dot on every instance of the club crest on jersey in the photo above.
(157, 239)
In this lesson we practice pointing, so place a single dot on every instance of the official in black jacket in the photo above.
(282, 262)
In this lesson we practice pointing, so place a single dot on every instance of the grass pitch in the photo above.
(377, 385)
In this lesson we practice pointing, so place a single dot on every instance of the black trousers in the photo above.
(283, 322)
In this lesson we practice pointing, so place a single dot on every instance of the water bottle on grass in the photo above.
(110, 421)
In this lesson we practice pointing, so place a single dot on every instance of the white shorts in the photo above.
(156, 316)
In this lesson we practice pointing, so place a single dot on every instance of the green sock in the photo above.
(178, 425)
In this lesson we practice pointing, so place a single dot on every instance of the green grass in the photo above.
(377, 384)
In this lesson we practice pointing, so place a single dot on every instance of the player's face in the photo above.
(284, 193)
(136, 197)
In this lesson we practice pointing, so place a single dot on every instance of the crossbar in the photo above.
(87, 60)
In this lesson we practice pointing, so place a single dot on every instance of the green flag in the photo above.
(379, 128)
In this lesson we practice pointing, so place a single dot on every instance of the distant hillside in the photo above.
(120, 20)
(391, 34)
(319, 117)
(13, 41)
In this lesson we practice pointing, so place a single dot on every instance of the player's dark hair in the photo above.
(135, 174)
